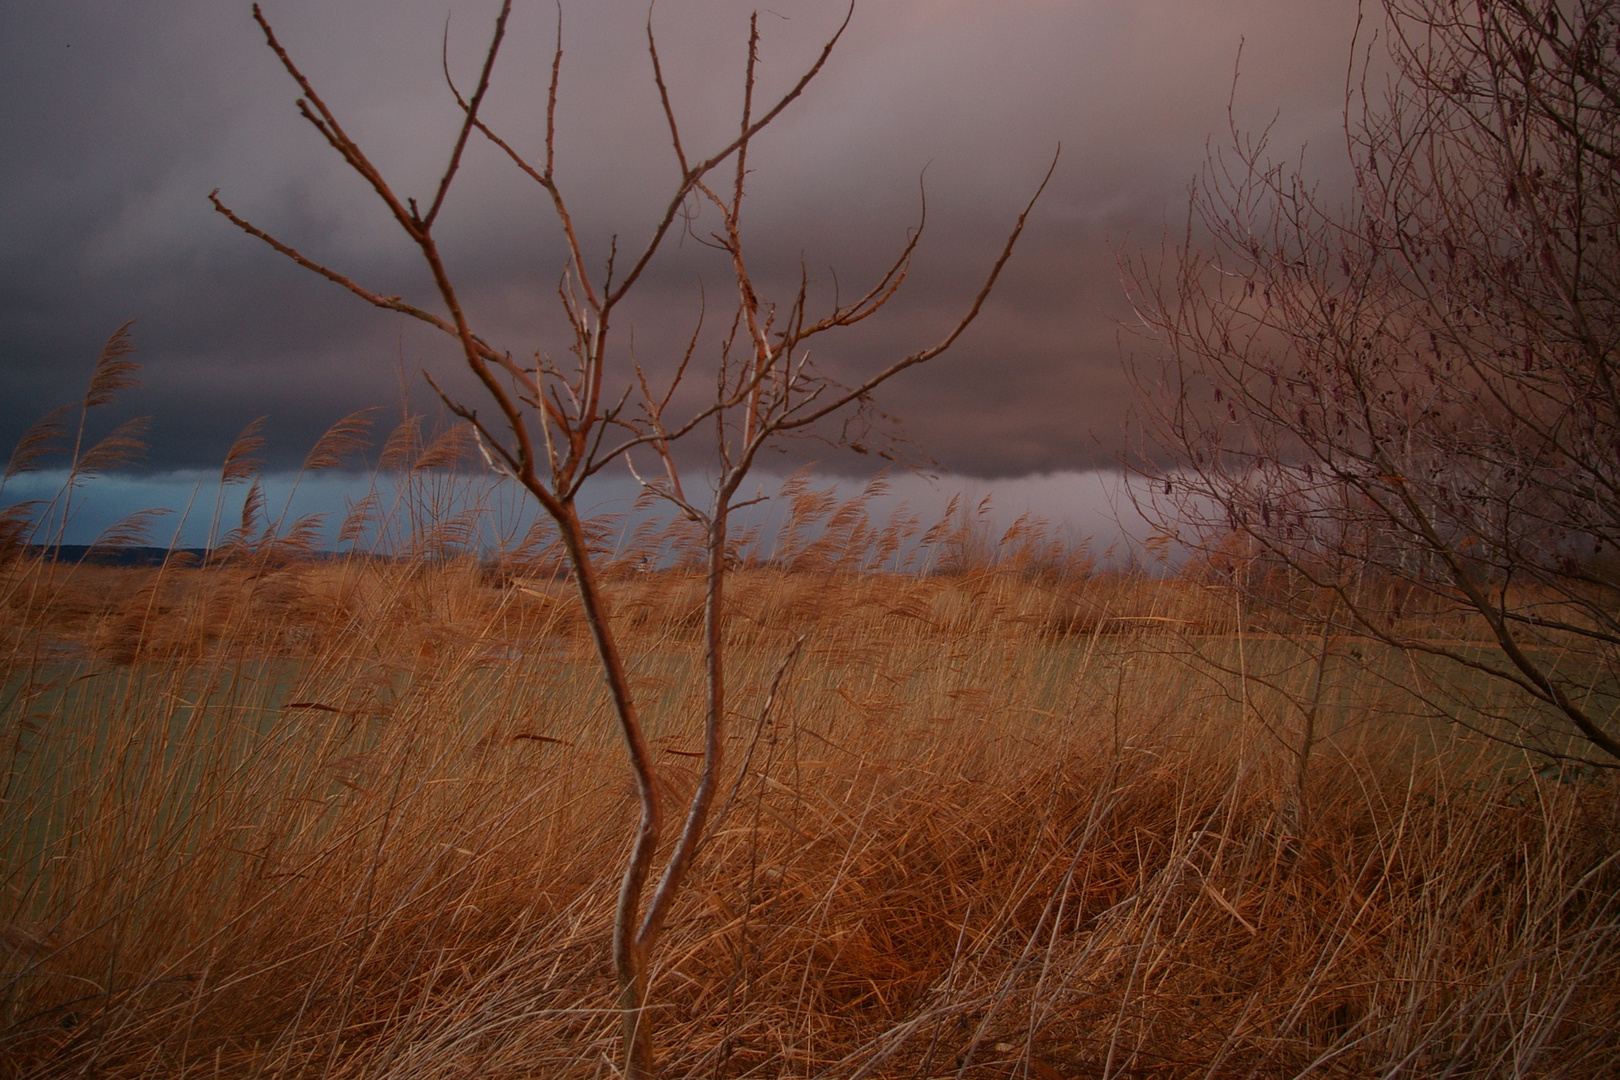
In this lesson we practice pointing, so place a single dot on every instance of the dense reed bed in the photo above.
(365, 817)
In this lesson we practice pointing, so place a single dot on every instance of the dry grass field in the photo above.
(365, 817)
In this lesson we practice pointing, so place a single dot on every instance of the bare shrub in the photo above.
(1404, 408)
(554, 426)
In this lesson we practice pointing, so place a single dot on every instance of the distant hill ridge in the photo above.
(105, 555)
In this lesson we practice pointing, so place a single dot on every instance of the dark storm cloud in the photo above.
(121, 117)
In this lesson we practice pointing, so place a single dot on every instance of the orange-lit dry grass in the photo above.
(362, 818)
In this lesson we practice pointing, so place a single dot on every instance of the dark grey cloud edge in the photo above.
(121, 117)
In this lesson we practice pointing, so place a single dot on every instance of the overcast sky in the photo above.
(121, 117)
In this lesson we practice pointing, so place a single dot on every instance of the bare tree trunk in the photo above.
(1297, 811)
(629, 953)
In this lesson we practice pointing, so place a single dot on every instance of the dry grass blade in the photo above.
(44, 437)
(241, 461)
(450, 449)
(17, 524)
(252, 521)
(114, 371)
(132, 530)
(348, 436)
(357, 517)
(29, 940)
(123, 446)
(302, 539)
(402, 446)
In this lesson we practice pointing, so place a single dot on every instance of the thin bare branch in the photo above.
(805, 418)
(469, 109)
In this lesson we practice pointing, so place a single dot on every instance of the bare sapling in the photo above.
(555, 426)
(1407, 406)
